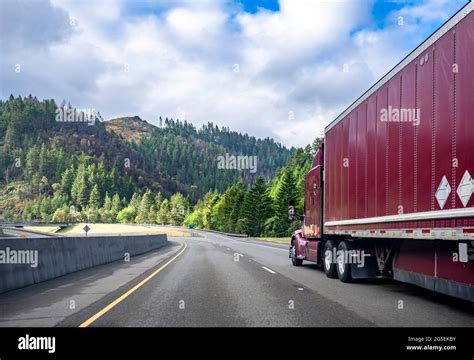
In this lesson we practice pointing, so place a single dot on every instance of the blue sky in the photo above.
(252, 6)
(157, 6)
(282, 69)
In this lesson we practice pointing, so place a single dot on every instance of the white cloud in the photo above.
(182, 58)
(195, 25)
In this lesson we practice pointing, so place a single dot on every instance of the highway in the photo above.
(216, 280)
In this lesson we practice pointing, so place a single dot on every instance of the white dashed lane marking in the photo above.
(269, 270)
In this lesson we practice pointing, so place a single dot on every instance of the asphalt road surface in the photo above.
(215, 280)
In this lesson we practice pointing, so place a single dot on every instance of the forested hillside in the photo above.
(190, 156)
(109, 172)
(260, 209)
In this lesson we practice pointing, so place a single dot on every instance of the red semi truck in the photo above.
(390, 192)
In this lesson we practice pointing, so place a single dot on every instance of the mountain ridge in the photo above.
(124, 155)
(130, 128)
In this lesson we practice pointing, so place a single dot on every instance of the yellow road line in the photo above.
(129, 292)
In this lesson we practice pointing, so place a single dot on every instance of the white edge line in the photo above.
(251, 243)
(264, 246)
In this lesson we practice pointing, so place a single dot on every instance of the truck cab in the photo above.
(313, 198)
(306, 243)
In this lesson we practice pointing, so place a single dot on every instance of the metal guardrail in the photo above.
(63, 225)
(197, 229)
(226, 234)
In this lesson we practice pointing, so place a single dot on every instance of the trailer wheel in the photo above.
(343, 266)
(294, 260)
(328, 259)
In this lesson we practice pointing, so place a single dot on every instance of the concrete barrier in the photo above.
(63, 255)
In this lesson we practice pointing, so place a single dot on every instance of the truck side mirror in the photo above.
(291, 210)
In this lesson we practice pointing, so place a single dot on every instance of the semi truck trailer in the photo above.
(390, 192)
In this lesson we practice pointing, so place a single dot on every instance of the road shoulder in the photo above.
(53, 302)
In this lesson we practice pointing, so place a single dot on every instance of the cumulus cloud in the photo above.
(33, 24)
(284, 74)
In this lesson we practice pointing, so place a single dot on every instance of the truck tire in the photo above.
(328, 261)
(343, 266)
(294, 260)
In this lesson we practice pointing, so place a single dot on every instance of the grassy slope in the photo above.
(283, 240)
(122, 229)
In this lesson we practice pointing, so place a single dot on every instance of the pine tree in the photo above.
(113, 181)
(135, 201)
(45, 209)
(145, 207)
(257, 208)
(58, 200)
(116, 204)
(179, 208)
(67, 180)
(285, 193)
(231, 207)
(158, 201)
(155, 208)
(107, 202)
(45, 163)
(79, 192)
(101, 179)
(106, 213)
(210, 201)
(94, 199)
(28, 212)
(162, 217)
(32, 160)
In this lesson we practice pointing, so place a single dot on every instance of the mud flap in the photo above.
(368, 271)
